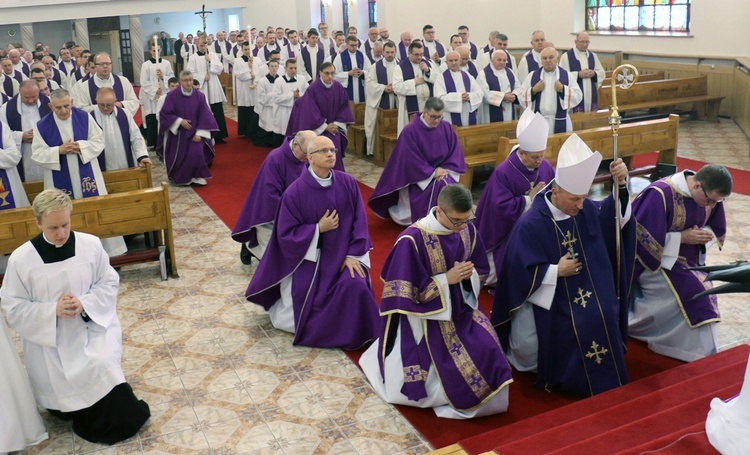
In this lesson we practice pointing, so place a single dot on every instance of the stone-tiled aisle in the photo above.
(220, 379)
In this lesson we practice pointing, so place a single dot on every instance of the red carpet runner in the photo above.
(236, 164)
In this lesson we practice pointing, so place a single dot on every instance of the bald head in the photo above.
(465, 55)
(549, 58)
(406, 38)
(582, 41)
(300, 143)
(453, 60)
(29, 92)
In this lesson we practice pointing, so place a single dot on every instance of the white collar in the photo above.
(327, 85)
(431, 222)
(324, 182)
(53, 244)
(421, 117)
(680, 181)
(186, 93)
(557, 214)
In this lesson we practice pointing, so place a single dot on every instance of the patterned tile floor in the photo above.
(220, 379)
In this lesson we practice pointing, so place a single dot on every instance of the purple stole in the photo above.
(487, 48)
(255, 52)
(18, 76)
(381, 72)
(403, 53)
(450, 87)
(117, 87)
(15, 123)
(267, 53)
(217, 48)
(122, 122)
(78, 76)
(7, 199)
(3, 98)
(575, 65)
(346, 65)
(25, 69)
(440, 49)
(531, 64)
(511, 61)
(412, 104)
(472, 69)
(368, 51)
(56, 76)
(308, 64)
(86, 77)
(8, 86)
(51, 135)
(474, 50)
(61, 67)
(561, 115)
(289, 50)
(496, 112)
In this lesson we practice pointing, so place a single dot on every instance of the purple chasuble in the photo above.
(319, 57)
(582, 336)
(320, 105)
(184, 158)
(122, 122)
(465, 350)
(387, 100)
(16, 124)
(407, 70)
(496, 112)
(450, 87)
(51, 135)
(660, 209)
(419, 150)
(346, 66)
(116, 86)
(278, 171)
(331, 309)
(575, 65)
(503, 202)
(7, 201)
(561, 116)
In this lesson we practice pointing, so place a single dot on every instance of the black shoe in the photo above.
(245, 255)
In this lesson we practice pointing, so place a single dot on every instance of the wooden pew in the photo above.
(479, 142)
(634, 138)
(386, 128)
(659, 75)
(118, 214)
(134, 178)
(356, 131)
(667, 94)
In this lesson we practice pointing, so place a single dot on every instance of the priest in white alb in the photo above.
(588, 70)
(498, 82)
(459, 92)
(124, 146)
(379, 91)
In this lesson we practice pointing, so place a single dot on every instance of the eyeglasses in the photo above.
(709, 200)
(325, 150)
(433, 117)
(458, 223)
(103, 64)
(418, 54)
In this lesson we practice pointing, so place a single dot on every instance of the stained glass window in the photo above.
(345, 11)
(373, 10)
(638, 15)
(322, 11)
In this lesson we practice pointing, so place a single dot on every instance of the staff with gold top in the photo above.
(628, 74)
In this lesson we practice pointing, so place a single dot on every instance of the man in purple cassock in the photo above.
(186, 122)
(512, 187)
(556, 309)
(678, 219)
(282, 166)
(437, 349)
(427, 157)
(324, 109)
(313, 279)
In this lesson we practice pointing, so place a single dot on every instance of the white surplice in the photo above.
(570, 97)
(29, 118)
(282, 97)
(374, 91)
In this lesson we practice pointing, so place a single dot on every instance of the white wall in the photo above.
(53, 34)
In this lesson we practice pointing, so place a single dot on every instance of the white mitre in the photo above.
(576, 166)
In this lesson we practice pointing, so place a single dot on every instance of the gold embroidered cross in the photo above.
(569, 242)
(596, 353)
(582, 298)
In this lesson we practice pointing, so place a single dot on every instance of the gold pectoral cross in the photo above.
(568, 244)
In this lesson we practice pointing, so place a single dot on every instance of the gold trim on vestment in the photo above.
(649, 243)
(682, 308)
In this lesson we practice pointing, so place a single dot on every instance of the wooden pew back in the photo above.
(386, 125)
(134, 178)
(634, 138)
(358, 109)
(657, 91)
(126, 213)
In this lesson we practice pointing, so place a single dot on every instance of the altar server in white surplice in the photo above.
(155, 73)
(379, 91)
(286, 90)
(459, 92)
(60, 294)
